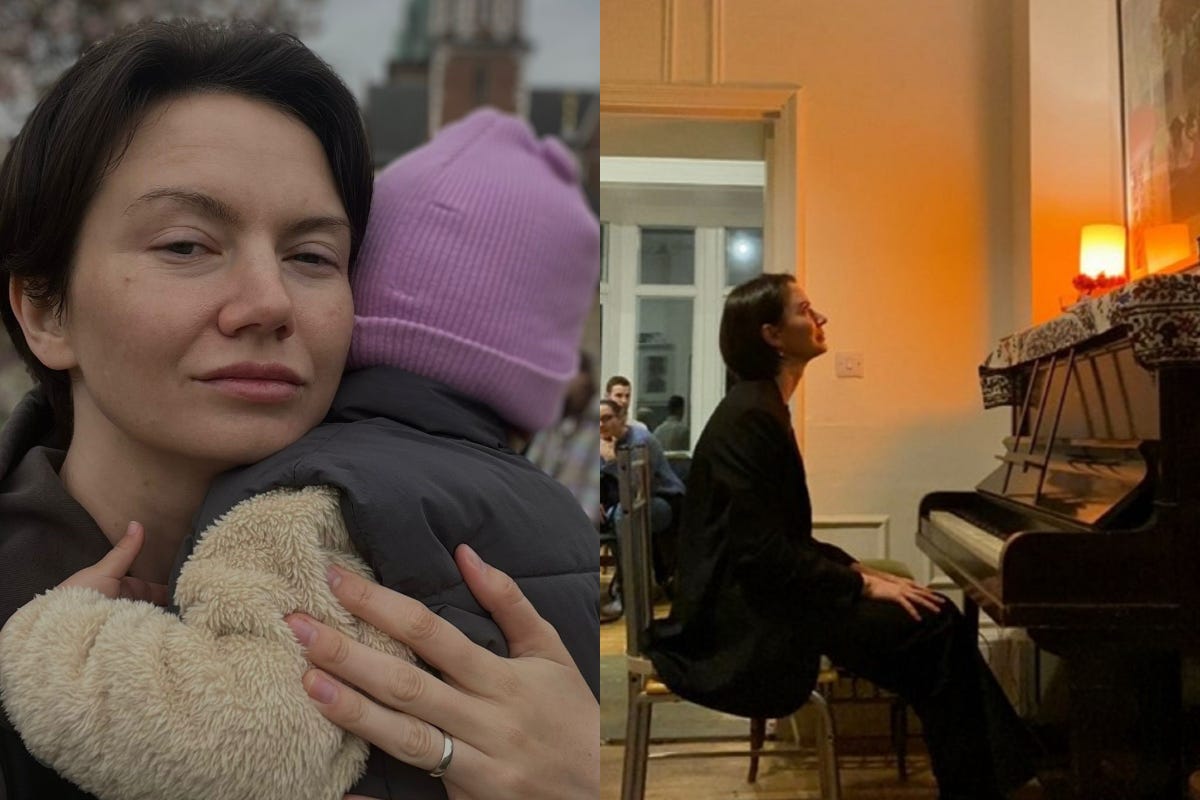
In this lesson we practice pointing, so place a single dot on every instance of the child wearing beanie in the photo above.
(477, 272)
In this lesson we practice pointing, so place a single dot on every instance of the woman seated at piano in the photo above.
(759, 600)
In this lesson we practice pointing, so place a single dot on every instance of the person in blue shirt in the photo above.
(666, 491)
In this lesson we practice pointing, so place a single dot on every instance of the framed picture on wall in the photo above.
(654, 373)
(1160, 89)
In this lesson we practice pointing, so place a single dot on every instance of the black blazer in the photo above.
(752, 586)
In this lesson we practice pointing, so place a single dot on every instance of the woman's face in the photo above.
(209, 310)
(800, 334)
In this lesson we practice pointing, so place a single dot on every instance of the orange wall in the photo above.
(951, 148)
(1074, 170)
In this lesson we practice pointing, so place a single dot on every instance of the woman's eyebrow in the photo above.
(320, 223)
(209, 206)
(203, 204)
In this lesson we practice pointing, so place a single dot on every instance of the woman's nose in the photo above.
(258, 298)
(819, 318)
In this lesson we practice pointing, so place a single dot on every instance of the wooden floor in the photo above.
(863, 777)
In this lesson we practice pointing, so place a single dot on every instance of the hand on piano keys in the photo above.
(905, 592)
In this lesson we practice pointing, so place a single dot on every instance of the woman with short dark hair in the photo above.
(750, 306)
(80, 131)
(759, 600)
(179, 220)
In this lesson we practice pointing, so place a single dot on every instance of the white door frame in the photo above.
(621, 292)
(780, 110)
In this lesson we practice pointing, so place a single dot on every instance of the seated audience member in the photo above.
(665, 487)
(620, 391)
(673, 433)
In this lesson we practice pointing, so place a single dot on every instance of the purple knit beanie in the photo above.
(479, 267)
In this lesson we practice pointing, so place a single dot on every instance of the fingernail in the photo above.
(132, 528)
(304, 632)
(473, 557)
(333, 576)
(322, 689)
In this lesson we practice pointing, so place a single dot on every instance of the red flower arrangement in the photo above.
(1088, 286)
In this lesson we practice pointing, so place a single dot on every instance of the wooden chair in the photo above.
(644, 687)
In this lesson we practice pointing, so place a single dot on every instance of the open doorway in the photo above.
(698, 194)
(679, 234)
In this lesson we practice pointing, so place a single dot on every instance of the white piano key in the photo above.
(983, 544)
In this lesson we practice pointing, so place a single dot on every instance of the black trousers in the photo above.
(978, 746)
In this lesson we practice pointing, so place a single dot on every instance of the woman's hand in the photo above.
(608, 449)
(904, 592)
(107, 576)
(863, 569)
(524, 728)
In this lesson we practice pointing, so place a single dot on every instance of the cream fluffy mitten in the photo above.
(133, 703)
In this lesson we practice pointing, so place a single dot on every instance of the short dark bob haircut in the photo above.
(80, 130)
(757, 302)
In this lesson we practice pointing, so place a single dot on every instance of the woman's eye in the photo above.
(316, 259)
(184, 248)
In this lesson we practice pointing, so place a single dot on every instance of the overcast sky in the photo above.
(357, 37)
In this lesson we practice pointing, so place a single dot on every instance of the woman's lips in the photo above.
(255, 390)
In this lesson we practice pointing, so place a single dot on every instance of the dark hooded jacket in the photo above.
(45, 537)
(752, 585)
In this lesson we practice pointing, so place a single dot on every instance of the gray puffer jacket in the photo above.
(421, 469)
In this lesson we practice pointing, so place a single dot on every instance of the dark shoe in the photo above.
(612, 610)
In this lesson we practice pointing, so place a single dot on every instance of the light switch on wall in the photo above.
(848, 365)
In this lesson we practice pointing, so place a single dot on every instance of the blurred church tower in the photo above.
(452, 56)
(478, 50)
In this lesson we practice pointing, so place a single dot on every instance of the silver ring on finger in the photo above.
(447, 754)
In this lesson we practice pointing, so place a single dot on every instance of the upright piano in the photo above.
(1087, 533)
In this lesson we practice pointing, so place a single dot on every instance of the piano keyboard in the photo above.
(986, 546)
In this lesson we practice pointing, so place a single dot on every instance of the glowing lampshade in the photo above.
(1102, 250)
(1166, 246)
